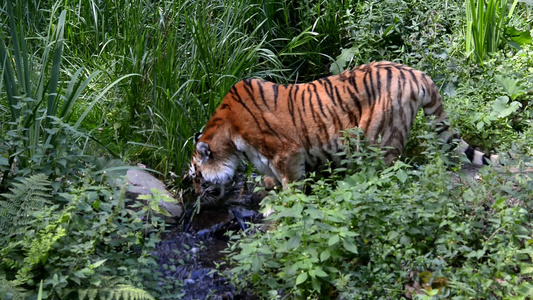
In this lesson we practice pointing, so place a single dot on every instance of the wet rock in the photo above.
(141, 183)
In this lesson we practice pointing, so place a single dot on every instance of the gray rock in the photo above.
(141, 182)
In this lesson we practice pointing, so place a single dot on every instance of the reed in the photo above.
(485, 26)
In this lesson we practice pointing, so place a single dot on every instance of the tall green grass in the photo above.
(40, 95)
(189, 54)
(485, 20)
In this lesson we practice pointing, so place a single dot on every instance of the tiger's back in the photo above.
(282, 129)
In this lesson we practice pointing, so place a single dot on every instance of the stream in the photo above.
(189, 252)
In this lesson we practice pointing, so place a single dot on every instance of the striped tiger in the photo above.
(286, 130)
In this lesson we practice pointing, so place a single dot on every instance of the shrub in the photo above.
(386, 232)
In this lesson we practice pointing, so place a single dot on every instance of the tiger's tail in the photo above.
(432, 106)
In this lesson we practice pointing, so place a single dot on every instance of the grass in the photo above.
(188, 53)
(485, 26)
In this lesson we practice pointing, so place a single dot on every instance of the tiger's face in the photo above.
(208, 190)
(209, 174)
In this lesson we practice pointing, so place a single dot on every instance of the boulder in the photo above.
(141, 183)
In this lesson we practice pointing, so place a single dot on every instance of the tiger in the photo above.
(286, 130)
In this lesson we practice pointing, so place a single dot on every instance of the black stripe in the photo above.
(328, 87)
(305, 132)
(378, 84)
(303, 97)
(260, 85)
(367, 88)
(389, 80)
(336, 120)
(371, 101)
(275, 87)
(239, 100)
(470, 153)
(415, 80)
(401, 87)
(337, 94)
(318, 100)
(291, 105)
(250, 91)
(357, 115)
(352, 80)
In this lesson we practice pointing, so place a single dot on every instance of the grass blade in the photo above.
(100, 96)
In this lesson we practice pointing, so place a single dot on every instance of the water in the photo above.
(190, 252)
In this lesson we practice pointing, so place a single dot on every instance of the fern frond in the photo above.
(26, 196)
(119, 292)
(9, 290)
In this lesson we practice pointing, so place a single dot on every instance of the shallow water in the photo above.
(190, 252)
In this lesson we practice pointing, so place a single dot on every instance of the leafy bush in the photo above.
(388, 232)
(91, 241)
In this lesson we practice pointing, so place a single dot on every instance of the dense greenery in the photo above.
(390, 232)
(85, 81)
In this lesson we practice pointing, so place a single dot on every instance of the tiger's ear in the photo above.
(197, 136)
(203, 150)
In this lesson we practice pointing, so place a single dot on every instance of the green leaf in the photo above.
(476, 254)
(511, 86)
(320, 273)
(342, 60)
(401, 175)
(348, 245)
(333, 240)
(294, 242)
(526, 270)
(301, 278)
(392, 235)
(325, 255)
(98, 263)
(517, 37)
(347, 195)
(501, 109)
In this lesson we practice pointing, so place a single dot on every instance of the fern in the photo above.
(9, 290)
(121, 291)
(18, 207)
(38, 250)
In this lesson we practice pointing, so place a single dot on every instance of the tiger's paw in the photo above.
(269, 182)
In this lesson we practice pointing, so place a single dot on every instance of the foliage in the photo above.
(68, 230)
(90, 242)
(384, 232)
(28, 197)
(40, 104)
(121, 291)
(485, 26)
(416, 33)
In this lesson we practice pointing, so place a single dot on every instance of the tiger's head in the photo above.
(211, 170)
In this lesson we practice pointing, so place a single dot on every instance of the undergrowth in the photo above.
(390, 232)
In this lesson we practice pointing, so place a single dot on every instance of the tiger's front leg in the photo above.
(290, 167)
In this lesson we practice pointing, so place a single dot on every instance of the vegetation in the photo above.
(390, 233)
(82, 82)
